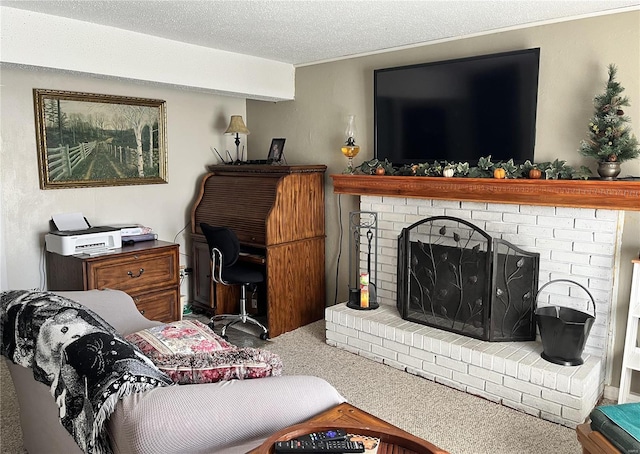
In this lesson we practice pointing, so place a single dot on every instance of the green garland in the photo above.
(556, 170)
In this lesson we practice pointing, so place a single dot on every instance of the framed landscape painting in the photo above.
(89, 140)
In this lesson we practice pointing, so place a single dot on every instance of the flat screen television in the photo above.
(458, 110)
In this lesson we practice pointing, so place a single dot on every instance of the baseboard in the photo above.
(611, 393)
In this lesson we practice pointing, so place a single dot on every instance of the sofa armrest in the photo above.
(115, 307)
(214, 416)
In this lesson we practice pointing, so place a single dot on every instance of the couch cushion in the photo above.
(188, 351)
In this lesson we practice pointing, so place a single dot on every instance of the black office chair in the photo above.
(227, 270)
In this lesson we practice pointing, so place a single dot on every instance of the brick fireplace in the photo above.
(580, 244)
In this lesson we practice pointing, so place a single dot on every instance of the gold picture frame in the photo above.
(91, 140)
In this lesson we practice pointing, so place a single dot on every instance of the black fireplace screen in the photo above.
(452, 275)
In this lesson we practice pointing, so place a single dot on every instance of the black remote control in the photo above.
(335, 446)
(327, 435)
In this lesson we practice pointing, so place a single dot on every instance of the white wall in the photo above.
(195, 122)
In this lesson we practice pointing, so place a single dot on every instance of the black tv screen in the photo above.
(458, 110)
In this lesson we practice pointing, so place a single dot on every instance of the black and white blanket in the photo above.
(86, 363)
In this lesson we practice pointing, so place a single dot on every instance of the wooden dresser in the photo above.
(148, 271)
(277, 212)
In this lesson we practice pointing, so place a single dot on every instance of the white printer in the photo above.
(64, 239)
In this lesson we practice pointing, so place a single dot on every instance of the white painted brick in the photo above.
(486, 374)
(450, 383)
(336, 337)
(574, 415)
(486, 216)
(405, 209)
(519, 218)
(350, 349)
(562, 398)
(446, 203)
(573, 235)
(541, 404)
(536, 230)
(604, 237)
(522, 386)
(557, 222)
(581, 213)
(591, 271)
(396, 346)
(371, 356)
(374, 340)
(521, 407)
(611, 215)
(457, 366)
(410, 361)
(501, 227)
(594, 248)
(438, 371)
(595, 225)
(384, 352)
(480, 206)
(484, 394)
(569, 257)
(468, 380)
(537, 210)
(554, 244)
(350, 332)
(556, 267)
(359, 344)
(503, 391)
(423, 355)
(430, 211)
(503, 207)
(522, 241)
(557, 419)
(395, 364)
(425, 374)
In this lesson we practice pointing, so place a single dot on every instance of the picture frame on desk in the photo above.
(275, 150)
(90, 140)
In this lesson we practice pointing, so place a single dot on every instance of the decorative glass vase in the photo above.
(350, 149)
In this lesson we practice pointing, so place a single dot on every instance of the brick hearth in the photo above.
(510, 373)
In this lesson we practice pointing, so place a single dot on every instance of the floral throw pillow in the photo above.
(188, 351)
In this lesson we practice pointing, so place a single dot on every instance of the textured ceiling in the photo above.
(308, 31)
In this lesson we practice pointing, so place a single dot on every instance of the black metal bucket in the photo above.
(564, 331)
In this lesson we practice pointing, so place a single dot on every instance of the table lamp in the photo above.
(237, 126)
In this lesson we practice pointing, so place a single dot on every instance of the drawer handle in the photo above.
(139, 273)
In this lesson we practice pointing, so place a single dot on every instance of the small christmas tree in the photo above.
(610, 140)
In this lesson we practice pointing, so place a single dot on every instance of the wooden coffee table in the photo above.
(594, 442)
(353, 420)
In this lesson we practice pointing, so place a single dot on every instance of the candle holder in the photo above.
(363, 260)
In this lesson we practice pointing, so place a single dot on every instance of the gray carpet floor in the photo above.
(455, 421)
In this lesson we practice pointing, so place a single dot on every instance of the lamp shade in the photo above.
(237, 126)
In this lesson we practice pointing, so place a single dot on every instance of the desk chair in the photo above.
(227, 270)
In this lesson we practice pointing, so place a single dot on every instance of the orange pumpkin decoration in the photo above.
(380, 171)
(535, 174)
(499, 173)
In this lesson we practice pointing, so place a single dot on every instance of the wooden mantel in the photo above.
(612, 195)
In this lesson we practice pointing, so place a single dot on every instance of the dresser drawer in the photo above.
(134, 272)
(161, 306)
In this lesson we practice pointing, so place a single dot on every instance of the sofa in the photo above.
(232, 416)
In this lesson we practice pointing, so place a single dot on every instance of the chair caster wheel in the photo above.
(264, 336)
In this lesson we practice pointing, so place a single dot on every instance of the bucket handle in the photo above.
(570, 282)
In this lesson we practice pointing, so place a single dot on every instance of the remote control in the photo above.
(334, 446)
(332, 434)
